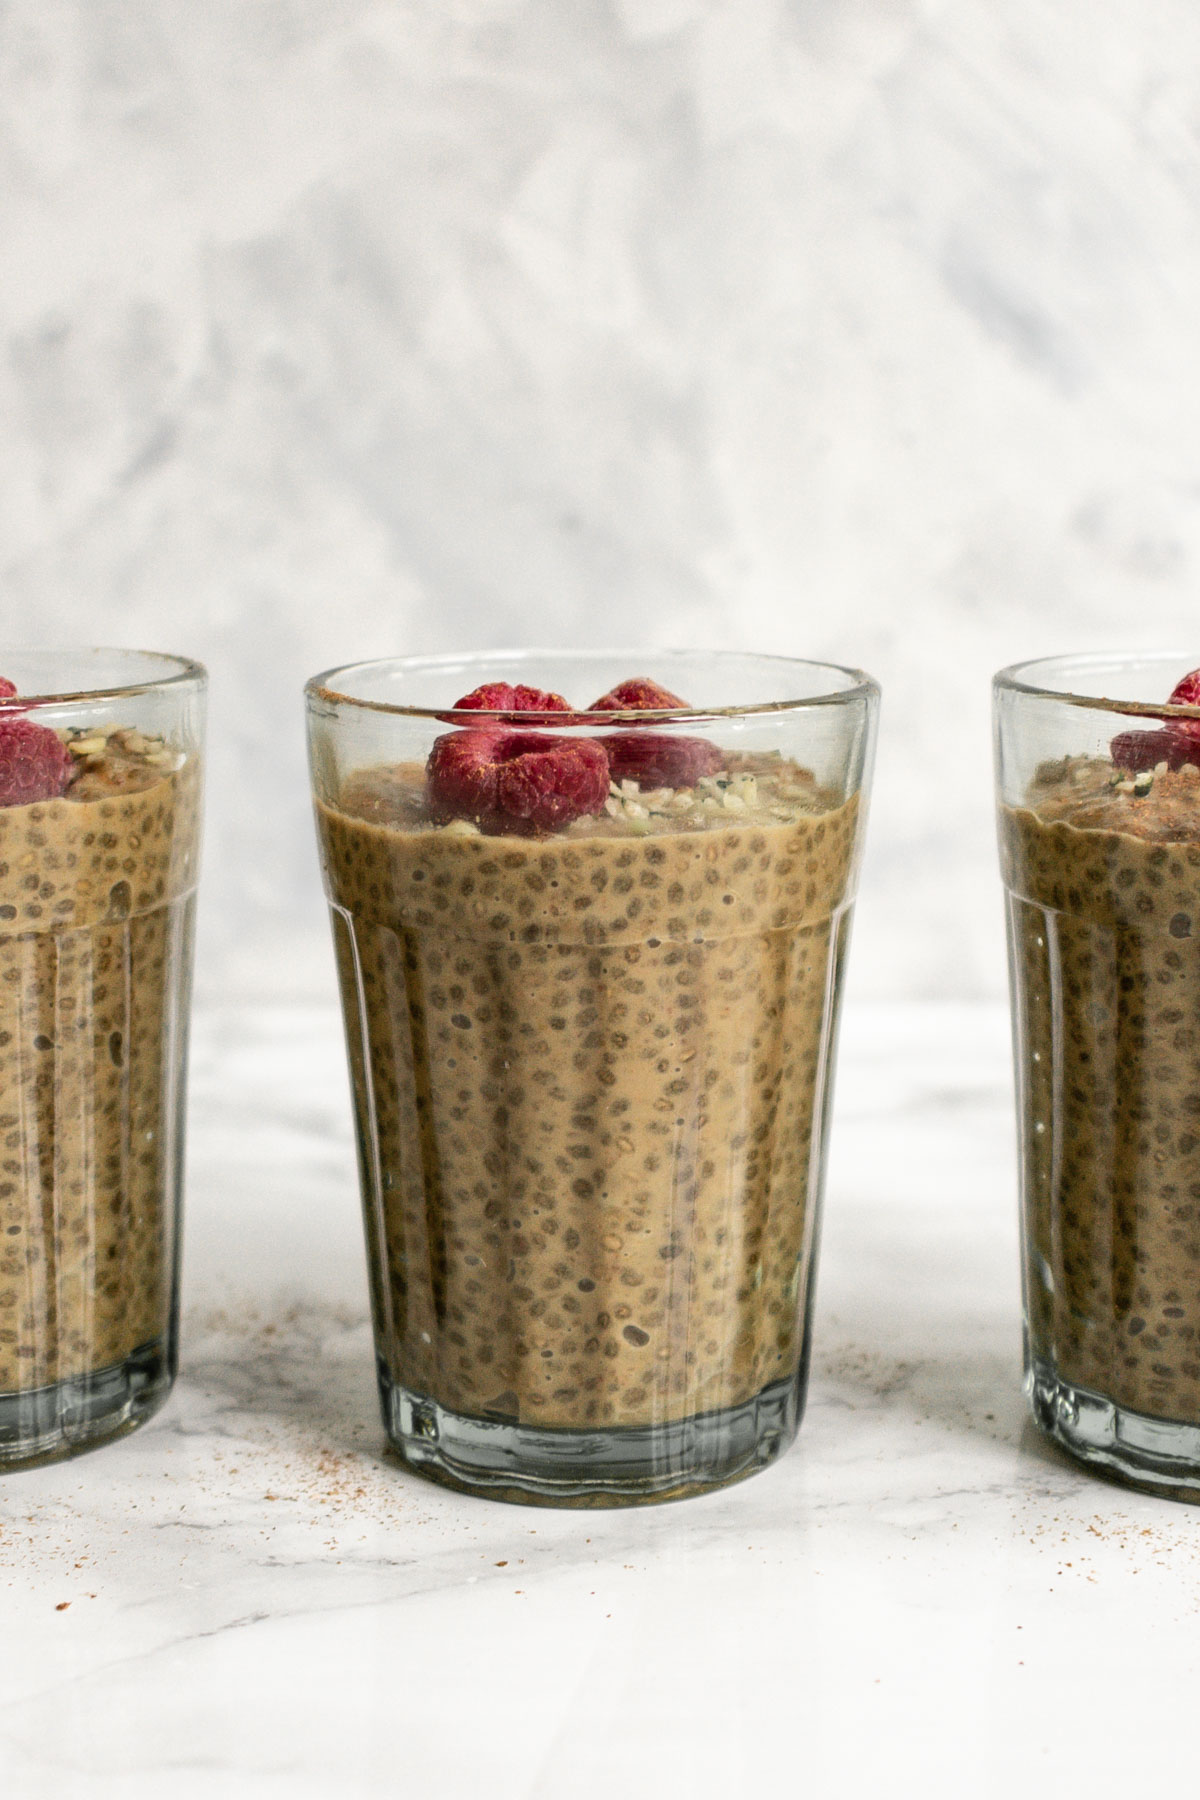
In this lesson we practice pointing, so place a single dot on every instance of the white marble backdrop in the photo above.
(857, 328)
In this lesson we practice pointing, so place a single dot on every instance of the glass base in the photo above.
(1159, 1456)
(605, 1467)
(46, 1424)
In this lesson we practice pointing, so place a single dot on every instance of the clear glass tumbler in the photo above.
(1099, 819)
(590, 966)
(99, 818)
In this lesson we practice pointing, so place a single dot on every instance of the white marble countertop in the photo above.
(245, 1598)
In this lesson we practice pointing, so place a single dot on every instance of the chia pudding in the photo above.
(1103, 867)
(95, 929)
(589, 1069)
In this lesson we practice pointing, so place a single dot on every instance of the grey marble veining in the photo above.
(248, 1598)
(331, 328)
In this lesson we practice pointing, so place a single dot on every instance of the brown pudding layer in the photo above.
(589, 1075)
(95, 921)
(1104, 921)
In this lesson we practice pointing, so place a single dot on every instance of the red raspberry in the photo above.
(502, 697)
(1187, 693)
(1146, 749)
(33, 762)
(7, 688)
(516, 781)
(638, 694)
(654, 760)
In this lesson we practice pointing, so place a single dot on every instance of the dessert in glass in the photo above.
(591, 915)
(99, 811)
(1098, 775)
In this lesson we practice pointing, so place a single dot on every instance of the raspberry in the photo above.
(33, 762)
(638, 694)
(1187, 693)
(1178, 741)
(502, 697)
(656, 760)
(516, 781)
(1138, 750)
(653, 760)
(7, 688)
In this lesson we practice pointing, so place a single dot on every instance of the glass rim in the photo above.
(182, 670)
(323, 687)
(1012, 680)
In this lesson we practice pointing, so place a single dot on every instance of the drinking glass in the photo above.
(591, 1055)
(1099, 823)
(98, 857)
